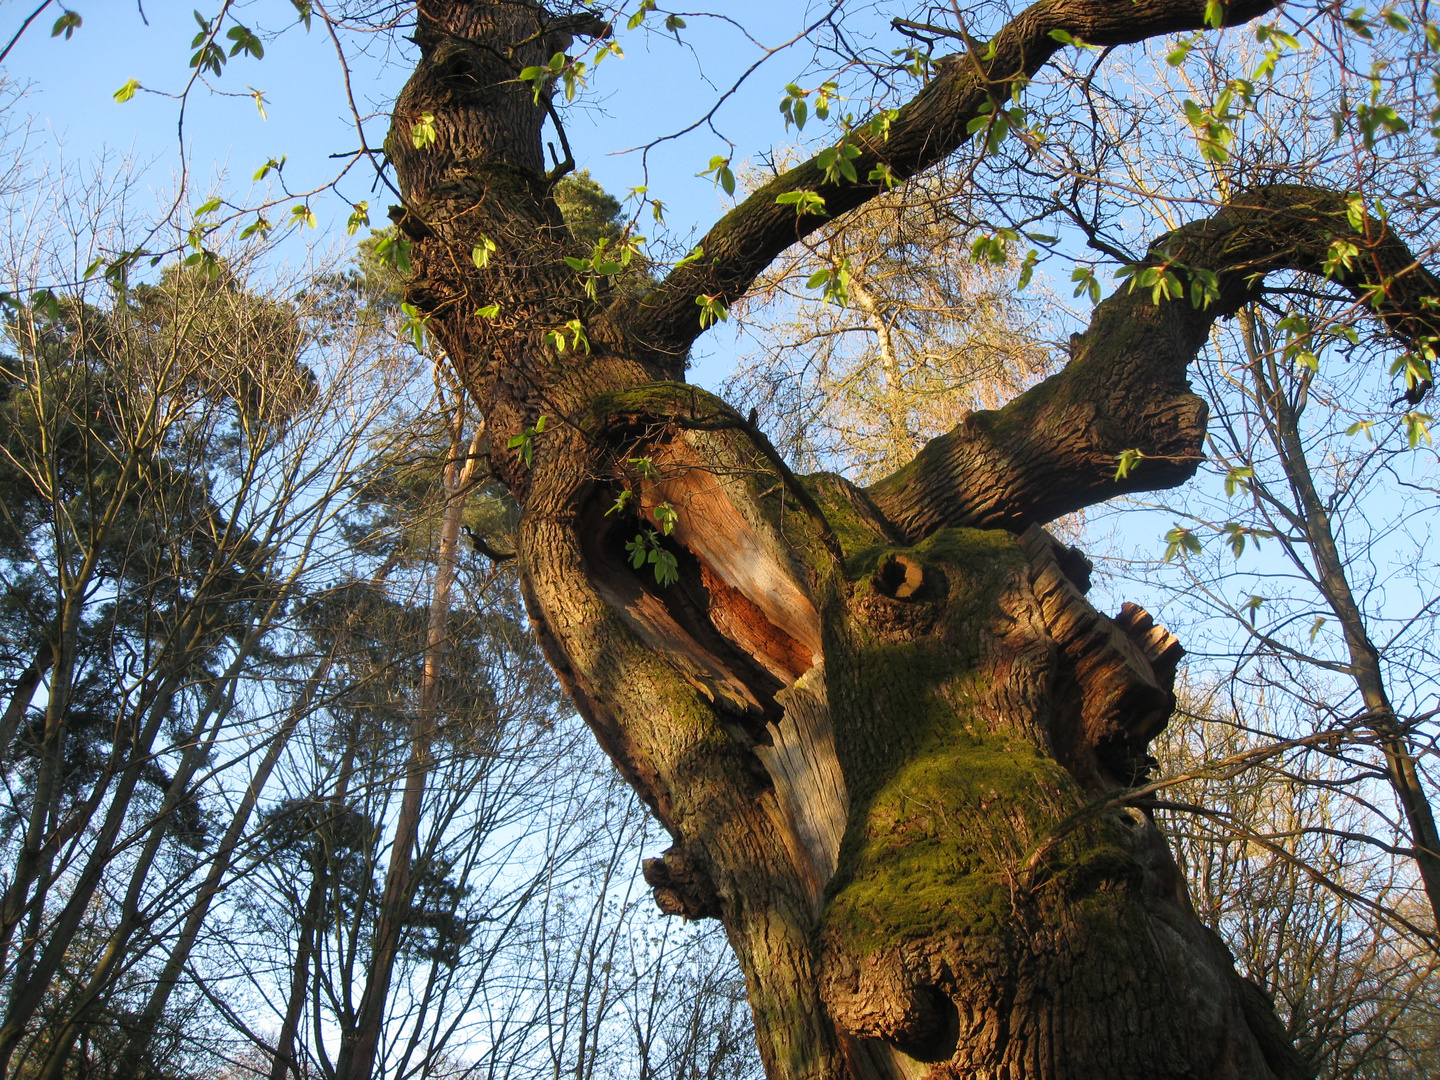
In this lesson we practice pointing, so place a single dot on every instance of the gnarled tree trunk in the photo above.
(884, 727)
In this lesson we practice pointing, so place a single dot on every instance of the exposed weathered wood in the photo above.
(809, 783)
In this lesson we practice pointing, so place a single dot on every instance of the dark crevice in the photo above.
(696, 602)
(933, 1032)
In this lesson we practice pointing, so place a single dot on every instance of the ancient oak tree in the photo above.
(881, 725)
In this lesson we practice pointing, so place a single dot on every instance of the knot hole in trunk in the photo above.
(899, 577)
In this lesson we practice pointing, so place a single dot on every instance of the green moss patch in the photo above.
(946, 810)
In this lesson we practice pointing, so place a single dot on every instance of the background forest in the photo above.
(283, 775)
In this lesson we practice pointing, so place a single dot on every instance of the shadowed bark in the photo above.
(875, 723)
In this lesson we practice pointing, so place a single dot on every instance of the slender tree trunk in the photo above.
(137, 1043)
(29, 995)
(75, 558)
(889, 736)
(21, 695)
(130, 917)
(356, 1060)
(31, 939)
(98, 983)
(310, 917)
(897, 412)
(1334, 585)
(311, 920)
(38, 839)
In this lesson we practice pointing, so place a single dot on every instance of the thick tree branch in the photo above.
(1053, 449)
(928, 129)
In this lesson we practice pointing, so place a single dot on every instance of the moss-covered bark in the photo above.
(881, 730)
(876, 761)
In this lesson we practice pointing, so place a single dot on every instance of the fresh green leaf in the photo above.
(45, 303)
(1416, 369)
(66, 24)
(724, 178)
(1237, 534)
(645, 468)
(414, 325)
(273, 163)
(245, 41)
(206, 262)
(1252, 607)
(666, 516)
(835, 281)
(667, 567)
(712, 309)
(805, 202)
(881, 122)
(1064, 37)
(422, 132)
(639, 16)
(1204, 288)
(395, 251)
(578, 340)
(1341, 256)
(481, 252)
(1125, 461)
(637, 549)
(1355, 210)
(1417, 427)
(1358, 24)
(1181, 541)
(1182, 49)
(1088, 283)
(525, 443)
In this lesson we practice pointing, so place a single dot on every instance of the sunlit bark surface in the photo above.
(882, 726)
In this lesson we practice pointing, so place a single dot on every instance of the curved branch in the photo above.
(1053, 449)
(926, 130)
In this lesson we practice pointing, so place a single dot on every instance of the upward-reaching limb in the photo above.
(932, 126)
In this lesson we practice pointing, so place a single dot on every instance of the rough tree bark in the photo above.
(876, 723)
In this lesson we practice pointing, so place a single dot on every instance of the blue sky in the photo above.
(658, 88)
